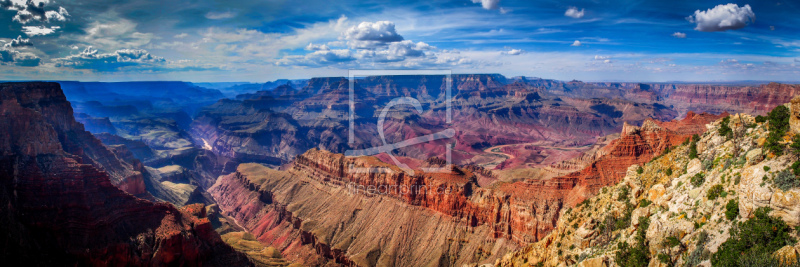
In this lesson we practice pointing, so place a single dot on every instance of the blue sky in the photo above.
(208, 41)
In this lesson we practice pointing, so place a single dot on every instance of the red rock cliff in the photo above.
(59, 208)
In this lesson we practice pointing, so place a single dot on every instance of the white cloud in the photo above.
(318, 58)
(181, 36)
(679, 35)
(723, 18)
(110, 33)
(19, 42)
(39, 30)
(90, 58)
(372, 34)
(576, 43)
(514, 52)
(573, 12)
(488, 4)
(28, 11)
(60, 15)
(220, 15)
(9, 56)
(313, 47)
(598, 57)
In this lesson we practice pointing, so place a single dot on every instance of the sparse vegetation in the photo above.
(732, 209)
(640, 170)
(778, 126)
(693, 147)
(698, 179)
(714, 192)
(644, 203)
(668, 172)
(671, 241)
(786, 180)
(724, 129)
(638, 254)
(761, 235)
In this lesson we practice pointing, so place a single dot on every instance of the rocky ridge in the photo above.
(682, 208)
(60, 207)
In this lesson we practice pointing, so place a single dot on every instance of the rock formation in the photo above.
(59, 206)
(293, 210)
(678, 209)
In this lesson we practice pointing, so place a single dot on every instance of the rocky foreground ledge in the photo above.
(728, 197)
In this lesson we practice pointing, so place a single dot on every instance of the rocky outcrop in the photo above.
(59, 206)
(505, 214)
(317, 213)
(678, 208)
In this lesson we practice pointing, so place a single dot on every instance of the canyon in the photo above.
(160, 176)
(60, 204)
(321, 207)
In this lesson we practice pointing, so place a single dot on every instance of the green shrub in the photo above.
(786, 180)
(732, 209)
(644, 203)
(640, 170)
(698, 179)
(737, 179)
(724, 129)
(778, 125)
(693, 147)
(779, 119)
(762, 234)
(669, 171)
(623, 194)
(761, 119)
(663, 258)
(671, 241)
(795, 146)
(766, 168)
(700, 253)
(638, 254)
(624, 221)
(714, 192)
(796, 166)
(707, 165)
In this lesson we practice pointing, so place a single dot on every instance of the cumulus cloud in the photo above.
(372, 34)
(313, 47)
(31, 10)
(19, 42)
(576, 43)
(60, 15)
(573, 12)
(679, 35)
(90, 58)
(39, 30)
(220, 15)
(723, 18)
(514, 52)
(9, 56)
(488, 4)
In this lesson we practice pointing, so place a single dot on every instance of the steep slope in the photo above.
(702, 203)
(315, 213)
(59, 206)
(320, 207)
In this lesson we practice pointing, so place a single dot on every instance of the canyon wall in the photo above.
(60, 207)
(321, 209)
